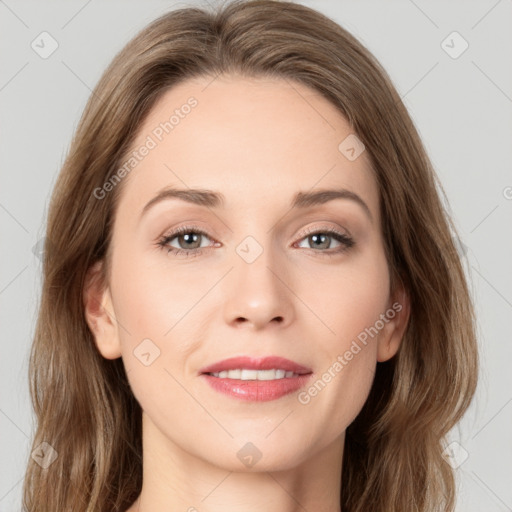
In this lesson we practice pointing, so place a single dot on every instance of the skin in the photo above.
(258, 142)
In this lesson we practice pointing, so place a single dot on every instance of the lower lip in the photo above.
(257, 390)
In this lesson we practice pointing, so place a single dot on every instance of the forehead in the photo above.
(254, 140)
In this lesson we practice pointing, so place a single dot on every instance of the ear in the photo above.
(99, 312)
(398, 317)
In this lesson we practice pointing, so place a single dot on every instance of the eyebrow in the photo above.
(212, 199)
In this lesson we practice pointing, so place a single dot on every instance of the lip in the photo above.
(254, 363)
(257, 390)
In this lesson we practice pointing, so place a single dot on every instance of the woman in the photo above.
(252, 299)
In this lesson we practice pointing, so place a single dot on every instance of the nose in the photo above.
(257, 294)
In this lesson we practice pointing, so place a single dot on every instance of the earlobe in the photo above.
(99, 313)
(391, 336)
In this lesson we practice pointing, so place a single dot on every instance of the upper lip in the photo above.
(254, 363)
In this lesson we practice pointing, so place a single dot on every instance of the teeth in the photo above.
(244, 374)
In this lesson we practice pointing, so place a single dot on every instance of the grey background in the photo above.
(462, 108)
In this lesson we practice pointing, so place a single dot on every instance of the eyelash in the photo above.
(162, 242)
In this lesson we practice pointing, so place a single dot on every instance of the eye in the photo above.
(321, 239)
(188, 240)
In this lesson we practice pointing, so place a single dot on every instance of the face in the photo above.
(263, 266)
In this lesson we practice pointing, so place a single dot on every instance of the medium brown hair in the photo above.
(83, 403)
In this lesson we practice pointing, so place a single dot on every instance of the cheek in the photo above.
(162, 316)
(347, 298)
(351, 306)
(152, 307)
(151, 298)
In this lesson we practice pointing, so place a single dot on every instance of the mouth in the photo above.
(258, 380)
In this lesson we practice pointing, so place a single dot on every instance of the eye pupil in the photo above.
(190, 238)
(321, 239)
